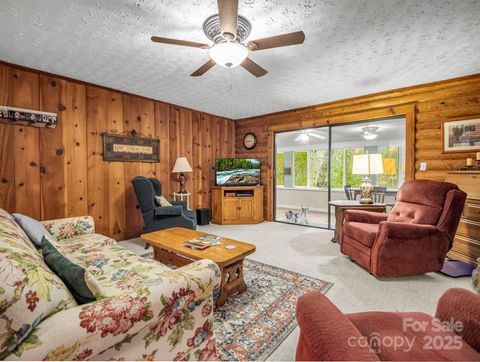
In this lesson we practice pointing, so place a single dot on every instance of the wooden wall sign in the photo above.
(130, 148)
(27, 117)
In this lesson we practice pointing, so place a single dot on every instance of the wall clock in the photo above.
(249, 141)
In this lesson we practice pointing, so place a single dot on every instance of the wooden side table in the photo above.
(182, 197)
(342, 205)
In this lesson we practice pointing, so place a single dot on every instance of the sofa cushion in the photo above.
(33, 228)
(116, 269)
(417, 335)
(364, 233)
(29, 290)
(80, 282)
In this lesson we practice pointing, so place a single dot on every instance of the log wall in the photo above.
(431, 104)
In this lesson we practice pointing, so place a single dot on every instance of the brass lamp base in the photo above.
(366, 191)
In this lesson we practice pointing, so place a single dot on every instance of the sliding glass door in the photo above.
(302, 169)
(315, 166)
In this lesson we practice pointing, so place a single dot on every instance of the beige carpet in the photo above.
(309, 251)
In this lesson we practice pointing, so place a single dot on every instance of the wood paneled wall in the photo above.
(431, 102)
(54, 173)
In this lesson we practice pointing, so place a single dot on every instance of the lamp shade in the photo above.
(369, 164)
(181, 165)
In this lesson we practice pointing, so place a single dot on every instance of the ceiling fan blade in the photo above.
(253, 68)
(203, 69)
(298, 138)
(185, 43)
(314, 135)
(276, 41)
(228, 14)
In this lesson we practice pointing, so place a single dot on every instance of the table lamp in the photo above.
(369, 164)
(181, 166)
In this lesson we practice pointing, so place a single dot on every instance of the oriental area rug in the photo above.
(251, 325)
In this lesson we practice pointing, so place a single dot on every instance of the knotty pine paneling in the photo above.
(54, 173)
(433, 102)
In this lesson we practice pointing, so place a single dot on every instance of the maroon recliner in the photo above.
(414, 238)
(326, 334)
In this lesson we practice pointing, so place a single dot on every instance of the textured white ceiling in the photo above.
(352, 48)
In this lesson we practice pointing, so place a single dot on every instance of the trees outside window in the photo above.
(318, 163)
(311, 168)
(337, 168)
(391, 158)
(300, 168)
(279, 171)
(351, 179)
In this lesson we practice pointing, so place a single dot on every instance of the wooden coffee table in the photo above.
(168, 248)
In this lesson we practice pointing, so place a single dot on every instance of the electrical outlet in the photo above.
(423, 166)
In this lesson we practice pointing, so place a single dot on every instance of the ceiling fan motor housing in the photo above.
(211, 28)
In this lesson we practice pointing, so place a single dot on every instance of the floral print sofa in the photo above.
(147, 310)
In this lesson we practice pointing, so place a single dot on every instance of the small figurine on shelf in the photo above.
(478, 160)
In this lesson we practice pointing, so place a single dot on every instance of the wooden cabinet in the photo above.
(467, 239)
(237, 205)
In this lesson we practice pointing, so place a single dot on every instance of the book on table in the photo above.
(203, 242)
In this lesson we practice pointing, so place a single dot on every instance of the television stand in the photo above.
(237, 205)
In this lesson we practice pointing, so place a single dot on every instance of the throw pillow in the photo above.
(79, 281)
(33, 228)
(162, 201)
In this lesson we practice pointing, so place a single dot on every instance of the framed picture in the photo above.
(461, 135)
(127, 148)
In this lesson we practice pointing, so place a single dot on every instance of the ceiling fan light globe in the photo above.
(228, 54)
(304, 137)
(370, 136)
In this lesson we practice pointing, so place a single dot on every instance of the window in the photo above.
(391, 163)
(351, 179)
(300, 168)
(318, 167)
(337, 168)
(318, 164)
(279, 172)
(311, 167)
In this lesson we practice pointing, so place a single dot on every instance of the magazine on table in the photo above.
(203, 242)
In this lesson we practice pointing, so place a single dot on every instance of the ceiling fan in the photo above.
(370, 132)
(306, 134)
(228, 31)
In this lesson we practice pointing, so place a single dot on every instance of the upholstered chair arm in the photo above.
(70, 227)
(401, 230)
(169, 211)
(462, 307)
(367, 217)
(326, 334)
(179, 203)
(107, 325)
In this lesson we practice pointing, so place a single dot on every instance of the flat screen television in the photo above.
(237, 172)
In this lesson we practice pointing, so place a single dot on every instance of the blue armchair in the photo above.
(161, 217)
